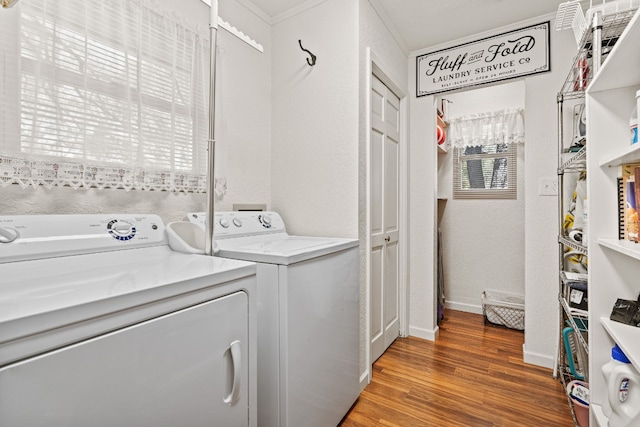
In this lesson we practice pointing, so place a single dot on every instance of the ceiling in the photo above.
(425, 23)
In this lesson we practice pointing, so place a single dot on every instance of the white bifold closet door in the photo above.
(384, 197)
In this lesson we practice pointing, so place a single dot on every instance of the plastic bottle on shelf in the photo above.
(582, 74)
(617, 358)
(633, 121)
(622, 381)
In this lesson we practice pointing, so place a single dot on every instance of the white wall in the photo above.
(242, 130)
(422, 207)
(319, 122)
(316, 153)
(315, 120)
(541, 222)
(243, 109)
(483, 240)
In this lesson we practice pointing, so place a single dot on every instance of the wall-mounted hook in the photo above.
(311, 62)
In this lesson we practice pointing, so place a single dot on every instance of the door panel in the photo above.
(378, 102)
(384, 195)
(392, 113)
(391, 185)
(391, 292)
(377, 322)
(376, 182)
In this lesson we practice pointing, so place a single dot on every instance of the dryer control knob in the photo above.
(224, 222)
(265, 221)
(8, 235)
(237, 222)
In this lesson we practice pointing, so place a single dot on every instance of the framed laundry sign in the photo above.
(504, 56)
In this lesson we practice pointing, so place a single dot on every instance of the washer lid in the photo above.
(282, 249)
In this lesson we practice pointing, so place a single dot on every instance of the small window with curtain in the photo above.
(485, 154)
(97, 94)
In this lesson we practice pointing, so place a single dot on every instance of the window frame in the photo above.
(509, 193)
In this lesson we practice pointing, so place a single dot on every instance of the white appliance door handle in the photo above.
(236, 364)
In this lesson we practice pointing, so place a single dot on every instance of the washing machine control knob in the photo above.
(265, 221)
(224, 222)
(237, 222)
(8, 235)
(121, 230)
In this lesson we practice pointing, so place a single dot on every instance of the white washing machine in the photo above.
(308, 317)
(102, 324)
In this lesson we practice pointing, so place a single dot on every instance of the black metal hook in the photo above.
(311, 62)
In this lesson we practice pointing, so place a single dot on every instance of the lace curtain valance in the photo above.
(493, 128)
(102, 95)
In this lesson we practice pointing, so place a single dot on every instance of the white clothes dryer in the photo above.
(308, 317)
(102, 324)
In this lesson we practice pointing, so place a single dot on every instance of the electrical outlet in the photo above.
(548, 186)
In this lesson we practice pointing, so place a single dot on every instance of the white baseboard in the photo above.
(537, 359)
(364, 380)
(460, 306)
(426, 334)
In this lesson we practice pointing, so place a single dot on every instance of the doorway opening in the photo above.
(482, 237)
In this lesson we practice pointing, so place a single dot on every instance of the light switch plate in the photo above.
(548, 186)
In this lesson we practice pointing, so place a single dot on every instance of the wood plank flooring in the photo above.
(472, 376)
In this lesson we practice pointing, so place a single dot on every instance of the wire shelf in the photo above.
(578, 319)
(582, 70)
(573, 245)
(566, 377)
(576, 163)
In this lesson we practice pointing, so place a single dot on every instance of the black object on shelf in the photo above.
(578, 295)
(626, 311)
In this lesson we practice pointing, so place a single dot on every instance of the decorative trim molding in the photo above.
(239, 34)
(387, 23)
(278, 18)
(236, 32)
(256, 11)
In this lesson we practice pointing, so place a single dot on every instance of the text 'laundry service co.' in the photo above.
(507, 55)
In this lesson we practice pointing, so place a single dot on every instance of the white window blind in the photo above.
(485, 172)
(102, 94)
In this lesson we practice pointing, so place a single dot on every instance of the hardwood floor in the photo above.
(472, 376)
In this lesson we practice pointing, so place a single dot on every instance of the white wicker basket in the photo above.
(502, 308)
